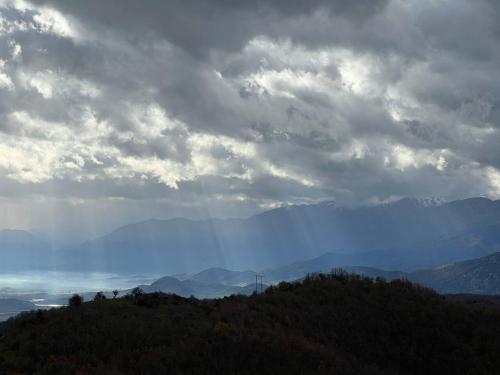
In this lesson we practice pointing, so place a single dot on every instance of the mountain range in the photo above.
(192, 287)
(405, 235)
(478, 276)
(465, 280)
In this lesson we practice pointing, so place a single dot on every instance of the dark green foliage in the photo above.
(328, 324)
(75, 300)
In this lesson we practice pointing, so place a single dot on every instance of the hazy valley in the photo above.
(450, 247)
(249, 187)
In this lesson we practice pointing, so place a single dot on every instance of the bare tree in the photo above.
(99, 297)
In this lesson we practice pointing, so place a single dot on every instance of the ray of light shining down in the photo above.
(214, 186)
(149, 141)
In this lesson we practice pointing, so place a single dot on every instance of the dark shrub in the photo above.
(75, 300)
(136, 292)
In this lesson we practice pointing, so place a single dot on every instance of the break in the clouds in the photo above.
(122, 110)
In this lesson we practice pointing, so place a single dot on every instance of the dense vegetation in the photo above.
(335, 323)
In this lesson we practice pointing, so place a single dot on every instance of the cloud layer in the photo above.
(125, 110)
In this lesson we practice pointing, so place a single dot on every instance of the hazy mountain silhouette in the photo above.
(190, 287)
(223, 276)
(478, 276)
(405, 235)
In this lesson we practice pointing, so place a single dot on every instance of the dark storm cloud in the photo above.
(238, 106)
(201, 26)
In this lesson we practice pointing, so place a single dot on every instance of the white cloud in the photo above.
(51, 21)
(49, 83)
(494, 177)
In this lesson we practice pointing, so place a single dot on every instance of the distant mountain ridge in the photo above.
(478, 276)
(404, 235)
(223, 276)
(201, 289)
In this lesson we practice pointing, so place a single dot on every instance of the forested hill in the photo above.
(327, 324)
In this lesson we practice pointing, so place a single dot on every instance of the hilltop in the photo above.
(478, 276)
(326, 324)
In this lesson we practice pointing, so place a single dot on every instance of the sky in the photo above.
(117, 111)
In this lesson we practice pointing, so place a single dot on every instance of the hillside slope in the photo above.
(330, 324)
(477, 276)
(480, 276)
